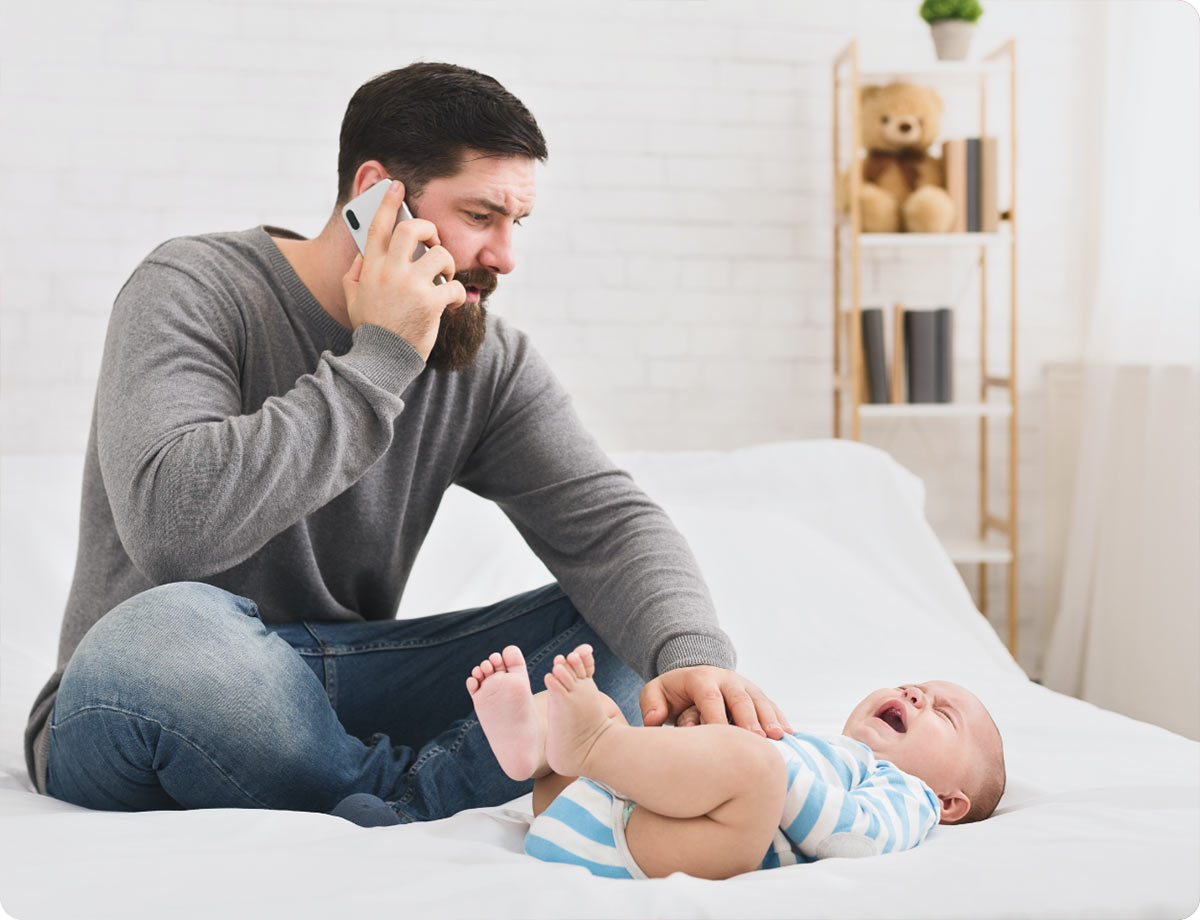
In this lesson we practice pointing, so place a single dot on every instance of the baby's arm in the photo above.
(840, 804)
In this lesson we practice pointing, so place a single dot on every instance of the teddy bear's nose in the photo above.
(905, 127)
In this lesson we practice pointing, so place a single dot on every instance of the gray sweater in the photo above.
(243, 438)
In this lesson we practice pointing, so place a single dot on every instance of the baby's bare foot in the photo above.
(577, 712)
(499, 688)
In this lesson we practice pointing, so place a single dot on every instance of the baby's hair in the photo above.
(992, 783)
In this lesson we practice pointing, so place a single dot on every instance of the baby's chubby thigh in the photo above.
(740, 785)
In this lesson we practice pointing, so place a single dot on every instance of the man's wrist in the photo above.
(691, 650)
(388, 360)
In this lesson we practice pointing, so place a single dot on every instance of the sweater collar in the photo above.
(339, 337)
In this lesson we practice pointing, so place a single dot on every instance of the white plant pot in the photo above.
(952, 38)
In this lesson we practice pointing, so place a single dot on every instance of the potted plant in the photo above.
(952, 23)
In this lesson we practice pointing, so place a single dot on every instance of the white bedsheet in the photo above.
(831, 583)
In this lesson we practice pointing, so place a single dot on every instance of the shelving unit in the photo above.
(996, 541)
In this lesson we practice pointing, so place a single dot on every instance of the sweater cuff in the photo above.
(387, 360)
(688, 651)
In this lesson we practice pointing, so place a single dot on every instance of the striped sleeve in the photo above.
(842, 801)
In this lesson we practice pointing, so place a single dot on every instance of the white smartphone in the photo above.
(359, 212)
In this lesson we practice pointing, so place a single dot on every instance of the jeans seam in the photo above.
(328, 669)
(557, 642)
(57, 724)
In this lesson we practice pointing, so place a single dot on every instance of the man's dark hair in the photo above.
(419, 120)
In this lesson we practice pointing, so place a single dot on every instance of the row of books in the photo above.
(971, 180)
(926, 350)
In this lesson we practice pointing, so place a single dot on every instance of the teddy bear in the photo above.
(902, 184)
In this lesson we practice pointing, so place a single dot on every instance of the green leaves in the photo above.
(938, 10)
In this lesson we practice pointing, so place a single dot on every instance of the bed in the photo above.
(808, 547)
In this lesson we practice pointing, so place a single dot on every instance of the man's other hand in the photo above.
(715, 695)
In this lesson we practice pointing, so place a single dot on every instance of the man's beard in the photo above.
(462, 331)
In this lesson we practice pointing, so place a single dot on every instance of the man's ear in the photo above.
(367, 175)
(955, 806)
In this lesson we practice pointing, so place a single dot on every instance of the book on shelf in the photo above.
(863, 384)
(875, 356)
(943, 377)
(929, 355)
(972, 174)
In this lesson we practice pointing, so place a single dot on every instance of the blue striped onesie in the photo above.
(841, 801)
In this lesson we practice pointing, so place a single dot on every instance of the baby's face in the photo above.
(936, 731)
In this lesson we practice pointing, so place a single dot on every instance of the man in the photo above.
(276, 421)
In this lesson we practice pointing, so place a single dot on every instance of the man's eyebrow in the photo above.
(488, 205)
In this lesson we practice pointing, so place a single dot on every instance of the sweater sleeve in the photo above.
(195, 484)
(615, 552)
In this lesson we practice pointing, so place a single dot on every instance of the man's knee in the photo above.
(157, 640)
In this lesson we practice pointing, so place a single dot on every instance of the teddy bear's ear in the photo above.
(868, 91)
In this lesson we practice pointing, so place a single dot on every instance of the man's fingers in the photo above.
(743, 710)
(653, 701)
(437, 261)
(708, 695)
(408, 233)
(350, 281)
(711, 702)
(769, 717)
(379, 233)
(455, 294)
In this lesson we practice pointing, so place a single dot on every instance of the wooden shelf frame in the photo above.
(848, 238)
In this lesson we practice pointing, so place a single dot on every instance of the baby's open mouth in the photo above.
(892, 713)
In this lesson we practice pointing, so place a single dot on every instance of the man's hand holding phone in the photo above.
(386, 287)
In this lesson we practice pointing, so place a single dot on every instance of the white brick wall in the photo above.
(677, 270)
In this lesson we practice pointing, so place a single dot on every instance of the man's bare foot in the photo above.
(577, 712)
(499, 688)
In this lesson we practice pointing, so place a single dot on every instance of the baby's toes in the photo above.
(563, 672)
(496, 660)
(513, 659)
(575, 661)
(589, 661)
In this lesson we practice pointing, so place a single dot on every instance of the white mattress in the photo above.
(830, 582)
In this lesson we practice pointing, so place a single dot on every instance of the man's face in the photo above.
(475, 212)
(934, 731)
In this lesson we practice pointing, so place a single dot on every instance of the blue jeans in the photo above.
(181, 697)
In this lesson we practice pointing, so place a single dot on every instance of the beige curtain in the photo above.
(1127, 633)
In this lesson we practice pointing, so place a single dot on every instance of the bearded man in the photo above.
(276, 421)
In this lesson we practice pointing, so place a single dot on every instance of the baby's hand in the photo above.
(690, 716)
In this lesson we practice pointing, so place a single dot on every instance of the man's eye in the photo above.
(517, 223)
(475, 216)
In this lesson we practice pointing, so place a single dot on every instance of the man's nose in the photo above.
(497, 255)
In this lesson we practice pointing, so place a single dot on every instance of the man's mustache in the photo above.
(481, 278)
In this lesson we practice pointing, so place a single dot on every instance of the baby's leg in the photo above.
(709, 797)
(513, 721)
